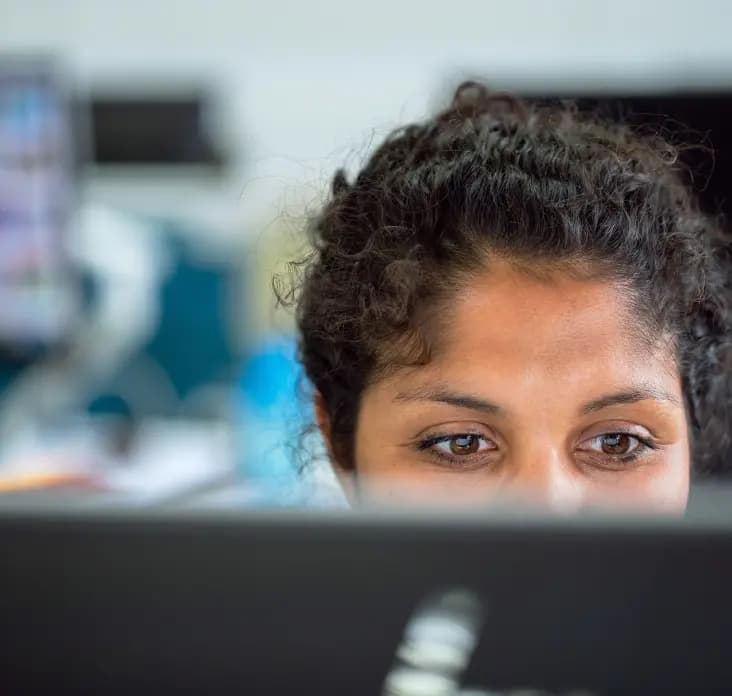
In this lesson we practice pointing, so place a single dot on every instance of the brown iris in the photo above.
(465, 444)
(616, 443)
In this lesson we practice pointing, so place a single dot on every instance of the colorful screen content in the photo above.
(35, 195)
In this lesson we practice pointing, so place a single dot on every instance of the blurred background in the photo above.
(158, 161)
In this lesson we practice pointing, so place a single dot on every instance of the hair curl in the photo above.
(539, 183)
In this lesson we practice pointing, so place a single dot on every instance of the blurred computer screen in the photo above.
(36, 193)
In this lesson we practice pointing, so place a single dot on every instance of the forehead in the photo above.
(507, 324)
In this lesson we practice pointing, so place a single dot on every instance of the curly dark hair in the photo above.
(539, 183)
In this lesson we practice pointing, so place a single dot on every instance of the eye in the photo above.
(616, 450)
(615, 444)
(463, 444)
(460, 451)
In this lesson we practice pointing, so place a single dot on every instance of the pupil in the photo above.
(468, 444)
(617, 443)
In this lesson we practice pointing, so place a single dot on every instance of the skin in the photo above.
(540, 389)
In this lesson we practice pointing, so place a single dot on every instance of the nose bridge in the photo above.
(541, 472)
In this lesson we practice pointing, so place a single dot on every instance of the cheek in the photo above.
(395, 480)
(409, 483)
(659, 488)
(668, 490)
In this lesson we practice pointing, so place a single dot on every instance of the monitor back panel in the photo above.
(316, 605)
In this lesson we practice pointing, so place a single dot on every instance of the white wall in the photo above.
(306, 84)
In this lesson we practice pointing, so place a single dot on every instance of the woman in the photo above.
(513, 299)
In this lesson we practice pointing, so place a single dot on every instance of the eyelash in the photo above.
(644, 444)
(465, 461)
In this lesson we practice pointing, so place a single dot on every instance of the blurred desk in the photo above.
(166, 460)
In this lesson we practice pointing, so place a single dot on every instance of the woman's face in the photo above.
(542, 390)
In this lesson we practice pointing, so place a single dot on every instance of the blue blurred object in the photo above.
(271, 423)
(192, 340)
(38, 301)
(191, 347)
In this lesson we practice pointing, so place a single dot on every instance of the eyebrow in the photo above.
(476, 403)
(630, 396)
(444, 396)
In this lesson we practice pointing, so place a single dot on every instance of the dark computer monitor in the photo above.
(37, 183)
(126, 602)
